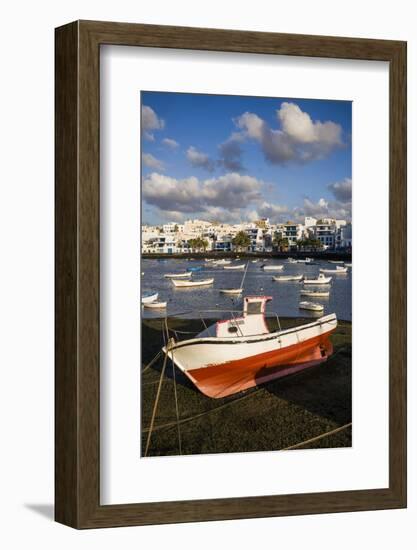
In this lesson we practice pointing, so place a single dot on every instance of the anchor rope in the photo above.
(148, 441)
(321, 436)
(152, 362)
(247, 394)
(175, 389)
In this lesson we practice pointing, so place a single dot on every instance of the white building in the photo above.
(172, 228)
(309, 221)
(255, 235)
(291, 231)
(174, 238)
(346, 236)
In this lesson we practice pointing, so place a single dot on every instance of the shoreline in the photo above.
(319, 255)
(284, 319)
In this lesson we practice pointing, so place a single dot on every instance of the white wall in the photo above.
(26, 289)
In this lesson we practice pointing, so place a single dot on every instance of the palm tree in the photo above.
(198, 243)
(241, 240)
(282, 243)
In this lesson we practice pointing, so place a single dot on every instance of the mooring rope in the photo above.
(156, 402)
(247, 394)
(152, 362)
(204, 413)
(321, 436)
(175, 390)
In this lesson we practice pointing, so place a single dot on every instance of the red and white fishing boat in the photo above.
(240, 352)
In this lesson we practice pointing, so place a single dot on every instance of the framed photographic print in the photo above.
(230, 274)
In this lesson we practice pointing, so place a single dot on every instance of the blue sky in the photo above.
(234, 158)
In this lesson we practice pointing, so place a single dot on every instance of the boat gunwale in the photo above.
(331, 317)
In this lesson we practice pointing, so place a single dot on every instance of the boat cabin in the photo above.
(251, 323)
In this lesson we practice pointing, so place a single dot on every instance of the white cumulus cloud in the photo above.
(324, 209)
(231, 192)
(171, 143)
(199, 159)
(152, 162)
(150, 122)
(272, 211)
(342, 190)
(298, 138)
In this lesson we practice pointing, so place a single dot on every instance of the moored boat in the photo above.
(189, 283)
(236, 267)
(315, 293)
(156, 305)
(222, 262)
(240, 352)
(287, 278)
(177, 275)
(321, 280)
(149, 297)
(236, 290)
(272, 267)
(305, 261)
(196, 268)
(338, 271)
(311, 306)
(348, 264)
(335, 261)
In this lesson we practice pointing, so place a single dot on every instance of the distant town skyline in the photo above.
(234, 158)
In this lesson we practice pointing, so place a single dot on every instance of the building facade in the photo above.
(173, 238)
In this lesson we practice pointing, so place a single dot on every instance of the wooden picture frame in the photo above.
(77, 372)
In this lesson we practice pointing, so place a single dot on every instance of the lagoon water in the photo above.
(191, 302)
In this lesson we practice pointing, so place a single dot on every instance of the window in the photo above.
(254, 308)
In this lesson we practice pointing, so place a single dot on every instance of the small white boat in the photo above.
(306, 261)
(156, 305)
(201, 282)
(148, 298)
(315, 293)
(231, 291)
(292, 261)
(254, 261)
(222, 262)
(311, 306)
(240, 266)
(272, 267)
(209, 259)
(178, 275)
(348, 264)
(321, 280)
(338, 271)
(287, 278)
(335, 261)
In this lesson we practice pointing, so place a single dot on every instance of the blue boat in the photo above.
(196, 268)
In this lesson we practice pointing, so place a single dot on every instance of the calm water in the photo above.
(286, 295)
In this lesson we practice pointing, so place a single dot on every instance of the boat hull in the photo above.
(324, 281)
(150, 298)
(189, 284)
(225, 368)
